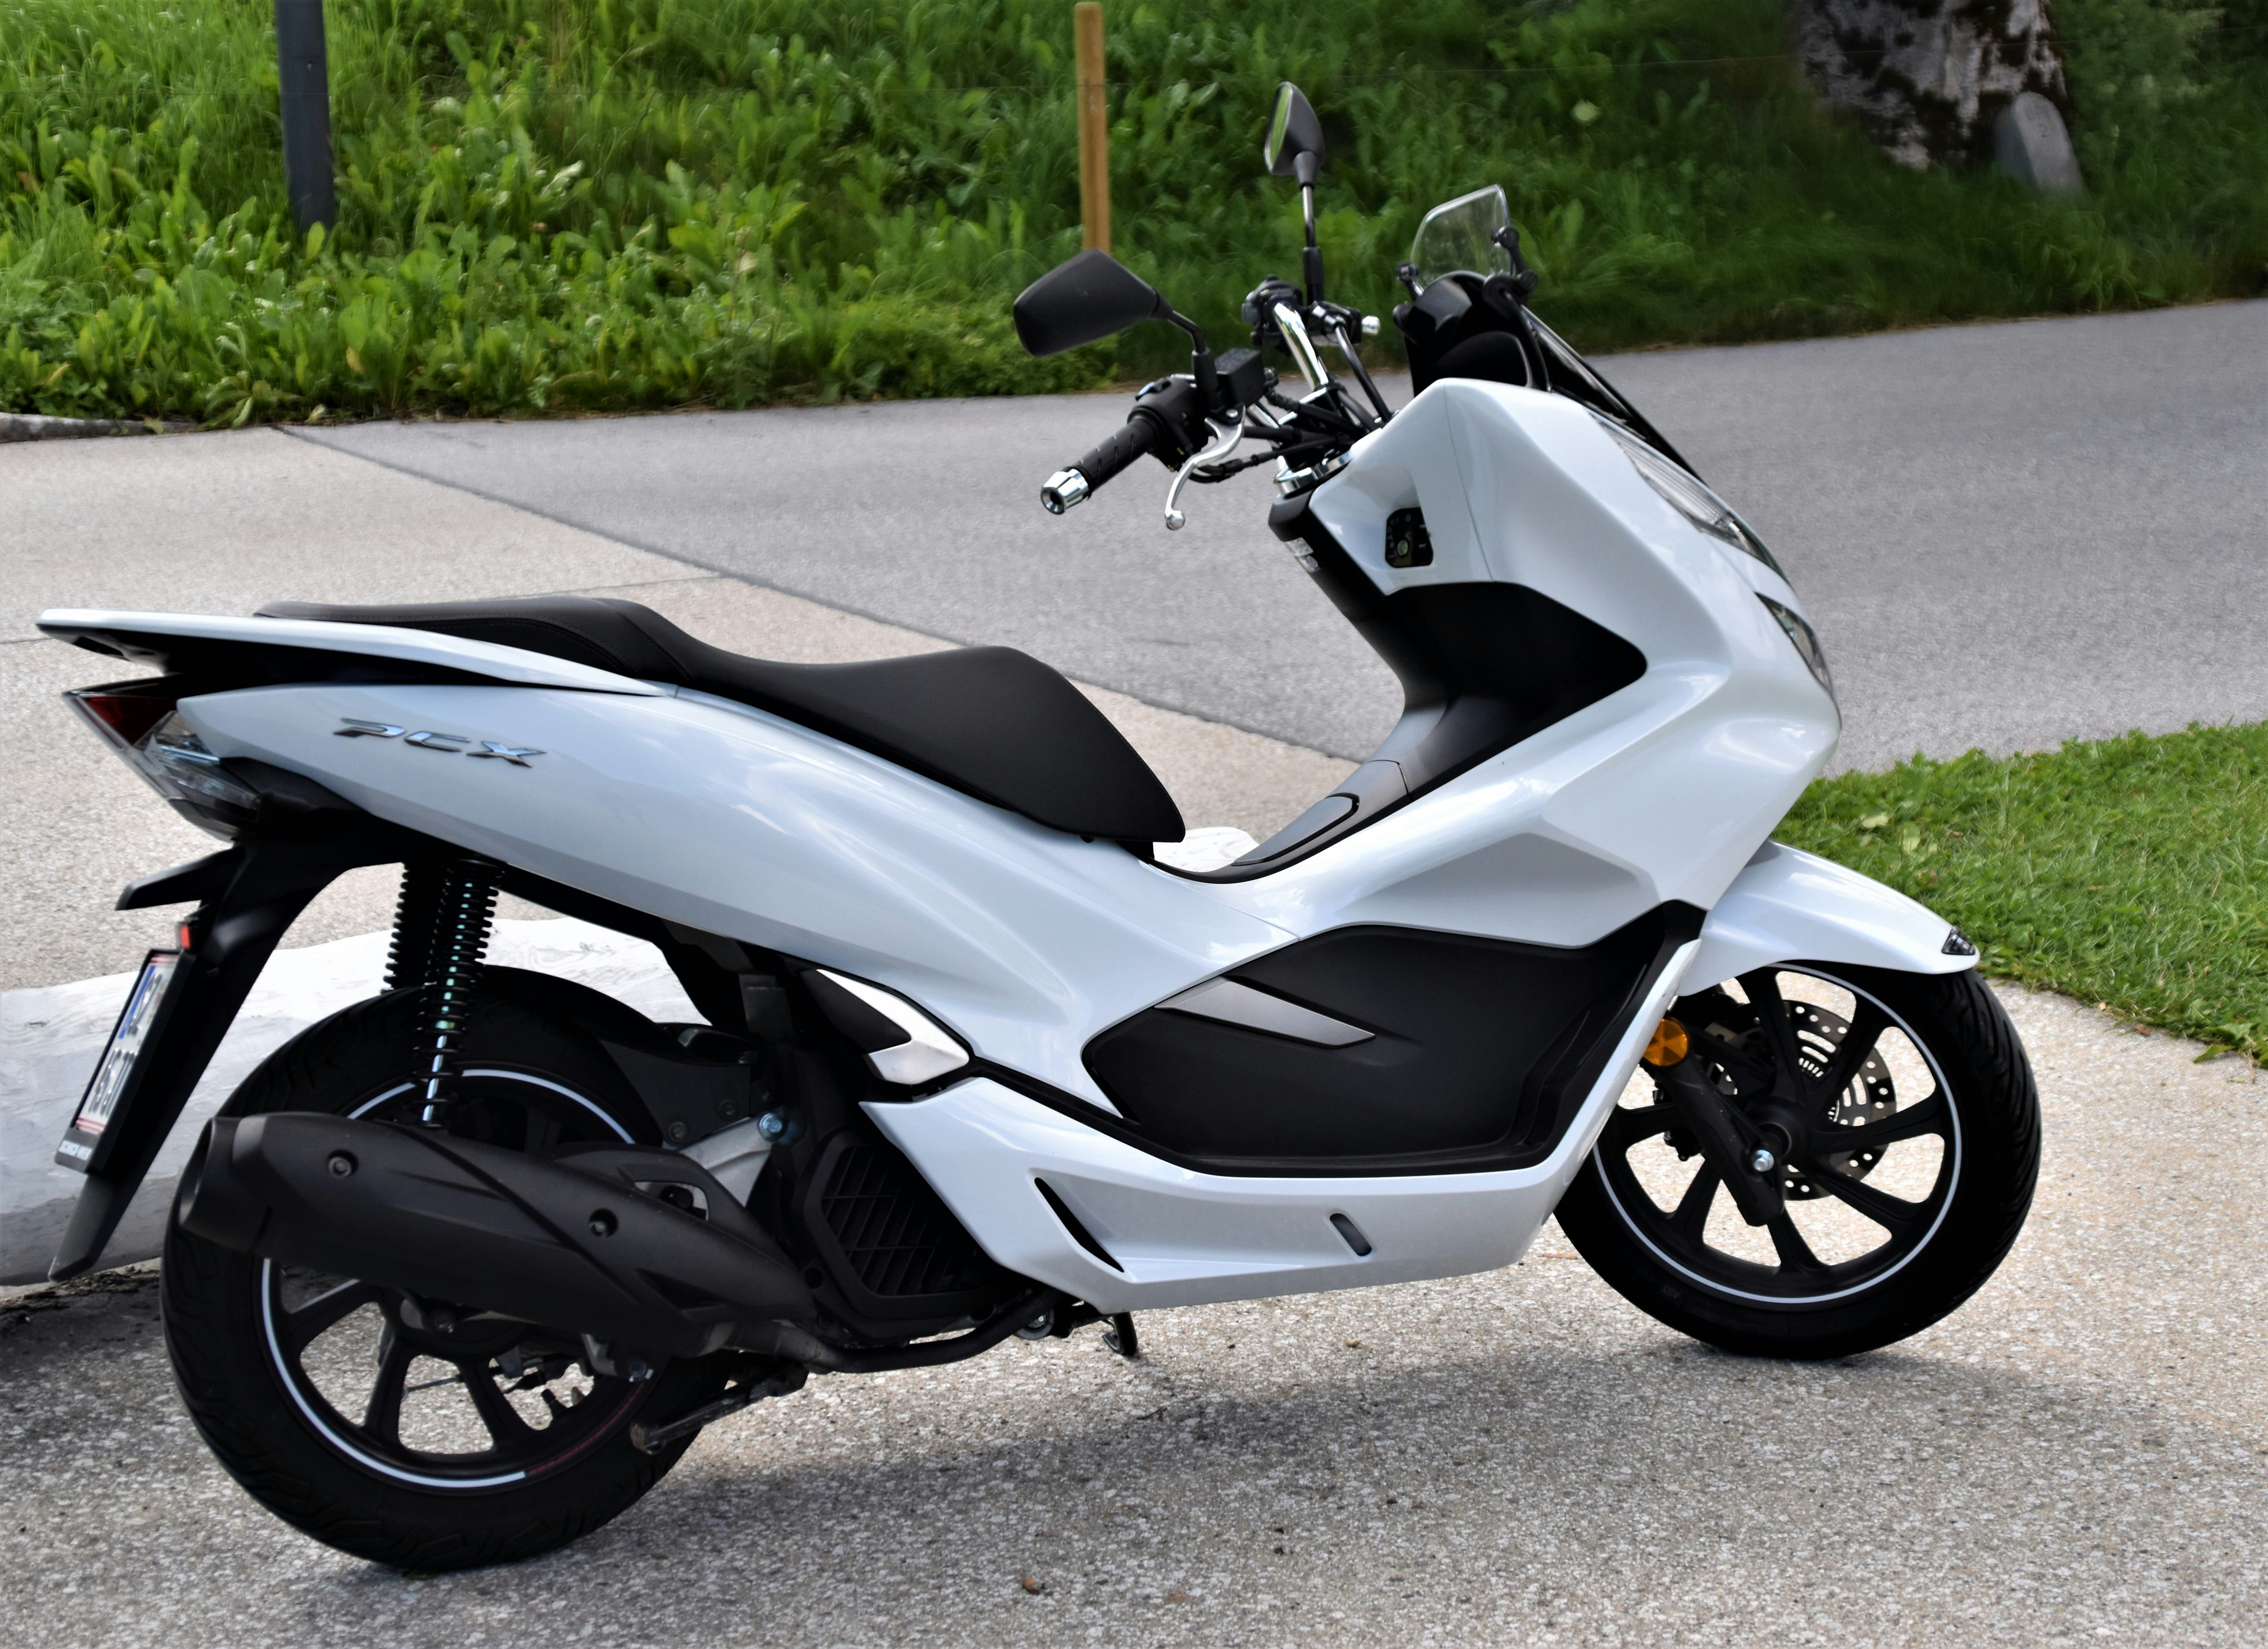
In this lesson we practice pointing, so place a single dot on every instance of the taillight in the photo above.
(125, 712)
(139, 720)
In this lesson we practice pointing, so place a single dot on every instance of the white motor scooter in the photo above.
(976, 1062)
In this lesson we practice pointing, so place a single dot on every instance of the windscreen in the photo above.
(1459, 234)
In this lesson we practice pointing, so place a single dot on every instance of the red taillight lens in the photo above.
(142, 722)
(127, 710)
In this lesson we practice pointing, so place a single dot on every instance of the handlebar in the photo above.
(1111, 455)
(1173, 421)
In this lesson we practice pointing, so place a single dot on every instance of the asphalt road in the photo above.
(2080, 1454)
(2009, 534)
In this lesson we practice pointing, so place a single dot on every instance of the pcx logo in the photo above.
(446, 743)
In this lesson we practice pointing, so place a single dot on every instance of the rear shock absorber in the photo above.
(415, 911)
(462, 914)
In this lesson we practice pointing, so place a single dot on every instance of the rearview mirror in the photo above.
(1084, 300)
(1293, 134)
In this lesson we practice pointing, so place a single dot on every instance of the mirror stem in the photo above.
(1312, 258)
(1201, 362)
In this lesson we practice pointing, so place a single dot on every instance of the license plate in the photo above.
(154, 993)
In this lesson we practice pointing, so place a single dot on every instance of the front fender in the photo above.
(1789, 906)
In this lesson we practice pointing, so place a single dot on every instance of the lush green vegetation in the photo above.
(2132, 873)
(554, 204)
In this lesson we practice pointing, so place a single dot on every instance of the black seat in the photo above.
(989, 721)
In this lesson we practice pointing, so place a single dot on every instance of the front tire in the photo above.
(365, 1428)
(1909, 1143)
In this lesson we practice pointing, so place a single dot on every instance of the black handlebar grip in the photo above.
(1067, 486)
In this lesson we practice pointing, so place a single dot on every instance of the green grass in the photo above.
(549, 205)
(2132, 872)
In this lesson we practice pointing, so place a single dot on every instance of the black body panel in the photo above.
(989, 721)
(891, 1245)
(1481, 1052)
(1462, 327)
(1482, 668)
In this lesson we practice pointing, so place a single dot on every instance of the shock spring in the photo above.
(462, 914)
(415, 911)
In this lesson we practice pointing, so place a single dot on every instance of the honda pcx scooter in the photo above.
(460, 1271)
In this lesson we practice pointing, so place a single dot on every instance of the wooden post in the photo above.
(1093, 126)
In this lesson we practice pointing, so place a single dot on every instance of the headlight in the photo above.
(1806, 643)
(1685, 493)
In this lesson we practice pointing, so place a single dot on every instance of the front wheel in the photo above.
(1904, 1129)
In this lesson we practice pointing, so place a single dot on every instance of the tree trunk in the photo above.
(1928, 78)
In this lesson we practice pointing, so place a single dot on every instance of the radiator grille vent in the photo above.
(898, 1238)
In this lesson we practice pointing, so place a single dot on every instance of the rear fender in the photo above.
(1788, 906)
(249, 895)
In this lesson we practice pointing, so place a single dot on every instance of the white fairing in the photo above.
(1184, 1238)
(1023, 943)
(1793, 906)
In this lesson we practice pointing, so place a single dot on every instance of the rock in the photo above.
(1929, 78)
(34, 426)
(2032, 146)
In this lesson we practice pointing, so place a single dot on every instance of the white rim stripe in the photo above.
(275, 1349)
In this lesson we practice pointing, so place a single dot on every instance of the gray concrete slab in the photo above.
(2012, 534)
(2080, 1454)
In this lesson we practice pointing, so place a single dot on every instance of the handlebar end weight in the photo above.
(1061, 490)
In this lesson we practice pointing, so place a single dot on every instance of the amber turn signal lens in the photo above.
(1669, 1044)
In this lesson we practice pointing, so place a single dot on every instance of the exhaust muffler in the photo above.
(583, 1243)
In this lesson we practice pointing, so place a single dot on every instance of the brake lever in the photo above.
(1226, 441)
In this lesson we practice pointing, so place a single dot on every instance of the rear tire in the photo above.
(385, 1479)
(1666, 1237)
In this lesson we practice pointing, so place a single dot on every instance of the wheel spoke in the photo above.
(1930, 1115)
(1892, 1214)
(1692, 1216)
(301, 1328)
(1867, 1024)
(503, 1421)
(1795, 1253)
(382, 1419)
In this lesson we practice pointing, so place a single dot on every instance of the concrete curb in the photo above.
(34, 426)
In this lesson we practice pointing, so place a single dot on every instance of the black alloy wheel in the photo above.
(446, 1398)
(423, 1434)
(1891, 1128)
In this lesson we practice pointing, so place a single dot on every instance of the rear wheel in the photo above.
(1904, 1134)
(383, 1431)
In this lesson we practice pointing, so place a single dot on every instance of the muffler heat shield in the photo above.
(572, 1243)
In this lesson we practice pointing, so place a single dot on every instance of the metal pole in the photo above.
(1093, 126)
(303, 74)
